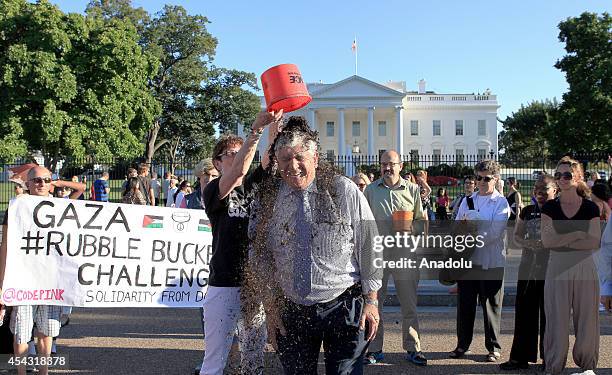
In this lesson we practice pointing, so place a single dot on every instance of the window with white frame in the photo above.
(437, 155)
(356, 129)
(382, 128)
(437, 127)
(414, 127)
(330, 128)
(482, 153)
(482, 128)
(459, 156)
(459, 127)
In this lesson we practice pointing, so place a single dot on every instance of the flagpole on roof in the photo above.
(355, 49)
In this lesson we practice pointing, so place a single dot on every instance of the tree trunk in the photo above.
(173, 147)
(150, 146)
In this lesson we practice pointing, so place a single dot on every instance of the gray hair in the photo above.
(488, 165)
(203, 167)
(292, 139)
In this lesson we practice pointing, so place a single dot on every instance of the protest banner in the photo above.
(94, 254)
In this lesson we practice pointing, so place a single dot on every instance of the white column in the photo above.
(341, 137)
(399, 129)
(312, 119)
(370, 131)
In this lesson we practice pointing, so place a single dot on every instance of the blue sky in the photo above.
(456, 46)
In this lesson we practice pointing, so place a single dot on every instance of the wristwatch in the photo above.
(371, 301)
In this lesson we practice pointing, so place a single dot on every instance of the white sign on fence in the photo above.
(94, 254)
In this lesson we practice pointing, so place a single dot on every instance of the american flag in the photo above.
(354, 46)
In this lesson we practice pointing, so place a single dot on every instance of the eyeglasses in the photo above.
(485, 178)
(231, 154)
(41, 180)
(565, 175)
(361, 185)
(389, 164)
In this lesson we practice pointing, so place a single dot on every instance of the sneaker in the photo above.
(587, 372)
(493, 356)
(512, 365)
(417, 358)
(373, 357)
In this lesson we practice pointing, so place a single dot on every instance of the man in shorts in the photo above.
(46, 318)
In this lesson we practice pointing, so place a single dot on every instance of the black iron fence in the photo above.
(444, 171)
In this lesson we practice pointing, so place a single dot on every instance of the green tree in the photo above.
(525, 131)
(71, 86)
(194, 94)
(585, 116)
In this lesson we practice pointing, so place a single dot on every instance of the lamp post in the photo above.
(355, 151)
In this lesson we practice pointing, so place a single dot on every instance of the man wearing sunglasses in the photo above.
(47, 318)
(488, 210)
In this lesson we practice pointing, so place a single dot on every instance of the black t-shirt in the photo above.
(145, 187)
(579, 222)
(229, 218)
(530, 212)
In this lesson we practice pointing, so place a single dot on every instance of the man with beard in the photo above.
(388, 196)
(47, 318)
(312, 233)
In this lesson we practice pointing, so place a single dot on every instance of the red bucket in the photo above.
(284, 88)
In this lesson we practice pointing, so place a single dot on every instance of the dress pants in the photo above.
(571, 292)
(406, 283)
(485, 287)
(530, 319)
(335, 324)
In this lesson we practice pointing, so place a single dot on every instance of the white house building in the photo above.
(378, 117)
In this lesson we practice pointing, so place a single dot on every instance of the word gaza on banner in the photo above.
(94, 254)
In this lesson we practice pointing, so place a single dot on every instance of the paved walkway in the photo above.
(168, 341)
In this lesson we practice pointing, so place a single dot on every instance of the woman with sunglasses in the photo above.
(488, 211)
(361, 180)
(183, 190)
(570, 229)
(529, 306)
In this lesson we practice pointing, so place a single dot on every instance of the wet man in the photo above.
(387, 196)
(313, 233)
(47, 318)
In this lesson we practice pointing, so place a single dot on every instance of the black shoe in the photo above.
(458, 353)
(417, 358)
(512, 365)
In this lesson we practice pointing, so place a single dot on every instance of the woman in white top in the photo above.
(183, 190)
(487, 211)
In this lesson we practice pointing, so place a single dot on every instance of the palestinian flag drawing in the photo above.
(204, 226)
(152, 221)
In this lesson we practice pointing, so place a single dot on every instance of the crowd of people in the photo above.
(293, 255)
